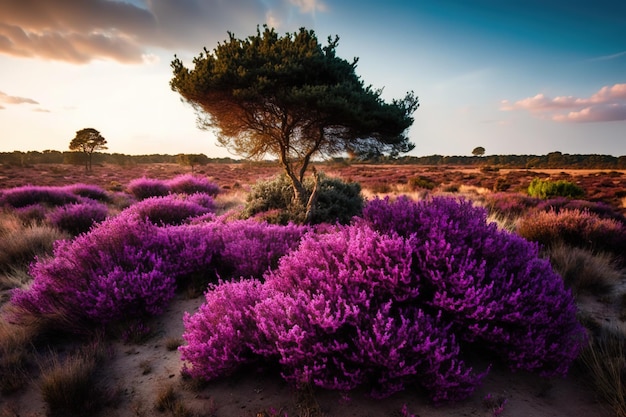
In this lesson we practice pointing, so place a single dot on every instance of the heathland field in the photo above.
(414, 291)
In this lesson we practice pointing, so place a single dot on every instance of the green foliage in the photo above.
(546, 189)
(192, 160)
(422, 182)
(478, 151)
(337, 201)
(293, 98)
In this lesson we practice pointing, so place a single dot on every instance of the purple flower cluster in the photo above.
(29, 195)
(129, 266)
(78, 218)
(392, 300)
(191, 184)
(143, 188)
(172, 209)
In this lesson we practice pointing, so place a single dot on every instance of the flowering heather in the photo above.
(172, 209)
(92, 192)
(129, 266)
(394, 306)
(251, 248)
(191, 184)
(34, 213)
(78, 218)
(29, 195)
(143, 188)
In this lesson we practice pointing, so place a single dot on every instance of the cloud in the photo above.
(606, 105)
(40, 110)
(609, 57)
(7, 99)
(81, 31)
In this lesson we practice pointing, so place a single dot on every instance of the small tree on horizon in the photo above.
(292, 98)
(88, 141)
(478, 151)
(192, 160)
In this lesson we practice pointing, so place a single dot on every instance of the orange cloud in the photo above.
(608, 104)
(7, 99)
(81, 31)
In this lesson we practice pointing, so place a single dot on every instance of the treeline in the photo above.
(18, 158)
(553, 160)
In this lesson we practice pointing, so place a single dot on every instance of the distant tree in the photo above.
(192, 160)
(292, 98)
(478, 151)
(88, 141)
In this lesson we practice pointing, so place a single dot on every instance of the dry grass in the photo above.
(605, 361)
(15, 350)
(69, 385)
(172, 343)
(20, 244)
(167, 400)
(584, 271)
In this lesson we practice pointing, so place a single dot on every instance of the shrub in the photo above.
(250, 248)
(546, 189)
(191, 184)
(92, 192)
(337, 201)
(584, 271)
(20, 246)
(29, 195)
(127, 266)
(172, 209)
(509, 204)
(576, 228)
(354, 306)
(422, 182)
(143, 188)
(35, 213)
(69, 387)
(79, 217)
(602, 210)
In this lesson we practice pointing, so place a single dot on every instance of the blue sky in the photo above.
(515, 76)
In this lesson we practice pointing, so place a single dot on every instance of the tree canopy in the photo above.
(88, 141)
(293, 98)
(478, 151)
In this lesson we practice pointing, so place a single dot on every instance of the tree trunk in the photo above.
(310, 206)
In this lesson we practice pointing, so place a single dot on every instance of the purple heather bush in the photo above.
(390, 301)
(29, 195)
(34, 213)
(191, 184)
(78, 218)
(251, 248)
(92, 192)
(127, 266)
(172, 209)
(510, 204)
(143, 188)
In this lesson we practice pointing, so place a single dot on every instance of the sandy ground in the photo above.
(139, 372)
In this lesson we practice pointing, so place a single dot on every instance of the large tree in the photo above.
(88, 141)
(293, 98)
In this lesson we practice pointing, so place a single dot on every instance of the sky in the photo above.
(515, 77)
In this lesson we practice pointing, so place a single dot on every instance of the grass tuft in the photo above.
(605, 361)
(584, 271)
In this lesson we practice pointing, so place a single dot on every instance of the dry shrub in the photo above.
(578, 228)
(19, 245)
(605, 361)
(168, 401)
(585, 271)
(69, 386)
(15, 349)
